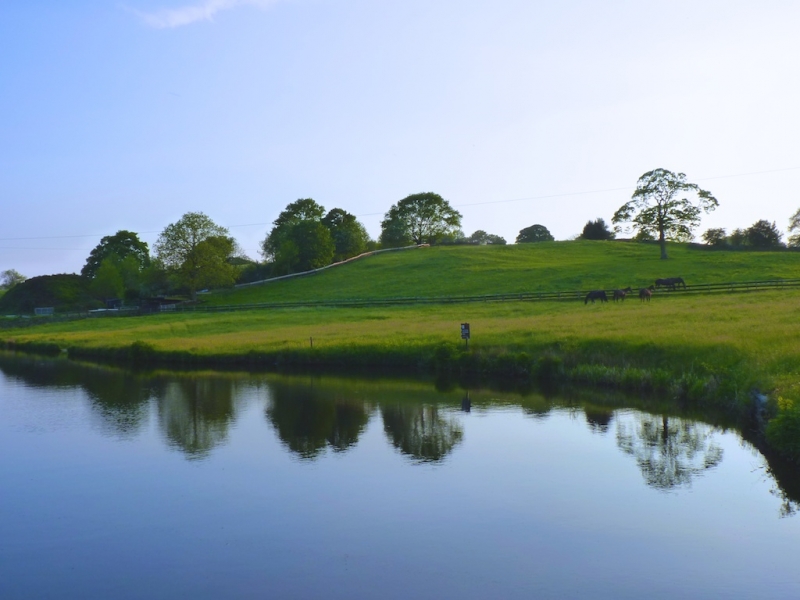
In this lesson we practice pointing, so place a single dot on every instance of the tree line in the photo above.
(195, 253)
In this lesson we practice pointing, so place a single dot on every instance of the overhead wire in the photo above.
(503, 201)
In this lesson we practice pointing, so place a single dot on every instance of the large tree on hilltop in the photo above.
(534, 233)
(423, 218)
(657, 207)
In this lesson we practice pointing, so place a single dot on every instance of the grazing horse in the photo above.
(596, 295)
(620, 294)
(645, 294)
(670, 282)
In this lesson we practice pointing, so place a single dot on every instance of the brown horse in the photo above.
(620, 294)
(596, 295)
(645, 294)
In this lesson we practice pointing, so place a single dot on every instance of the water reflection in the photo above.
(670, 451)
(421, 431)
(598, 420)
(195, 413)
(119, 398)
(307, 421)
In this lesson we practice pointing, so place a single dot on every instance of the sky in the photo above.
(128, 114)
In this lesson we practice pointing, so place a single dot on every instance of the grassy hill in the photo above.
(543, 267)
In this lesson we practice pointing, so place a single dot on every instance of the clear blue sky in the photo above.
(126, 115)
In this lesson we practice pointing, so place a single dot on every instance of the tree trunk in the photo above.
(662, 241)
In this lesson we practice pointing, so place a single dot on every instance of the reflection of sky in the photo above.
(522, 506)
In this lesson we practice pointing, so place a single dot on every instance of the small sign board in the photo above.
(465, 331)
(44, 312)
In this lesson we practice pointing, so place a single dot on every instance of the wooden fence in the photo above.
(702, 288)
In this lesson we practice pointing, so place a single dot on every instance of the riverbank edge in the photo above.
(774, 422)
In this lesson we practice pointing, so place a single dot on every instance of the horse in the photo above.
(645, 294)
(596, 295)
(620, 294)
(670, 282)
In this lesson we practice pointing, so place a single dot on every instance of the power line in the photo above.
(540, 197)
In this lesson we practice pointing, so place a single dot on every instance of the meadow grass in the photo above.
(543, 267)
(751, 338)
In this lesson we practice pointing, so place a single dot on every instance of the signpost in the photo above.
(465, 333)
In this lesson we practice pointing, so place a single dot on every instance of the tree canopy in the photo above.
(423, 218)
(657, 207)
(304, 237)
(304, 246)
(350, 238)
(196, 252)
(764, 235)
(481, 238)
(794, 229)
(715, 236)
(534, 233)
(121, 244)
(304, 209)
(9, 278)
(596, 230)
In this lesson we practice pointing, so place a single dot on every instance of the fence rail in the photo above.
(702, 288)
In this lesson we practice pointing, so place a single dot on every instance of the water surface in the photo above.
(115, 484)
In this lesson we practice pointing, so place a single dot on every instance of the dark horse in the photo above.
(620, 294)
(596, 295)
(671, 282)
(645, 294)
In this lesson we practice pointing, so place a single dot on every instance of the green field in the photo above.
(543, 267)
(715, 350)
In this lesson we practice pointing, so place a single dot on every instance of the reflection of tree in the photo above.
(194, 414)
(118, 397)
(420, 431)
(668, 450)
(598, 420)
(307, 422)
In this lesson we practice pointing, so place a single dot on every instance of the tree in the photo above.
(534, 233)
(482, 238)
(715, 237)
(423, 218)
(9, 278)
(794, 229)
(596, 230)
(657, 208)
(121, 244)
(350, 238)
(738, 237)
(107, 281)
(196, 251)
(304, 245)
(304, 209)
(763, 234)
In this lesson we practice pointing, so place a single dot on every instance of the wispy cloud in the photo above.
(168, 18)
